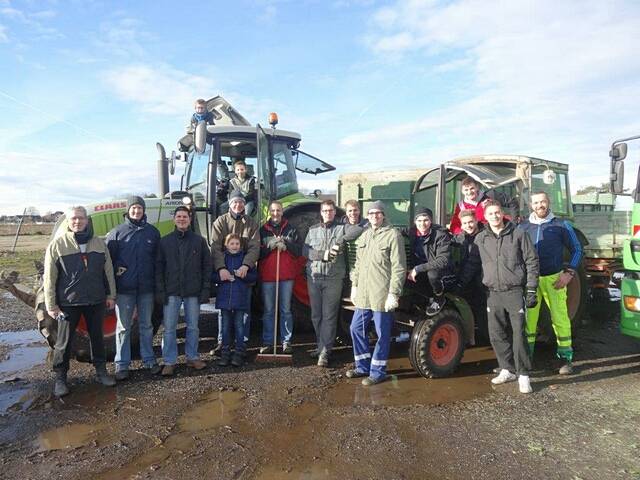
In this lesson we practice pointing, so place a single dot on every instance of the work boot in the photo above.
(237, 360)
(103, 377)
(524, 384)
(503, 377)
(122, 375)
(323, 360)
(168, 370)
(354, 373)
(154, 369)
(436, 306)
(196, 364)
(225, 358)
(367, 382)
(286, 348)
(60, 388)
(566, 368)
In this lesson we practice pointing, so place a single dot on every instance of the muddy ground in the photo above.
(303, 422)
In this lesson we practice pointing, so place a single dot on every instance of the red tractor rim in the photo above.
(444, 345)
(108, 325)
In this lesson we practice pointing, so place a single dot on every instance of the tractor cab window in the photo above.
(558, 192)
(286, 182)
(197, 175)
(427, 191)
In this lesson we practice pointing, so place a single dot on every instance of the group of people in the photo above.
(486, 258)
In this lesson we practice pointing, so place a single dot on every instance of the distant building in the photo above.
(594, 202)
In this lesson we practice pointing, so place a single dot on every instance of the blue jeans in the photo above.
(233, 318)
(246, 320)
(126, 304)
(285, 318)
(170, 322)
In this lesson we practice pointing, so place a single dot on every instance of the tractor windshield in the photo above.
(558, 192)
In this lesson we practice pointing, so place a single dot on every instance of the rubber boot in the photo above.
(60, 388)
(103, 377)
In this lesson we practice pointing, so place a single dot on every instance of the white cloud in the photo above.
(124, 36)
(159, 90)
(51, 181)
(546, 78)
(4, 38)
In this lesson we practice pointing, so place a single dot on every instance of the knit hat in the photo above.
(420, 212)
(377, 205)
(235, 196)
(135, 200)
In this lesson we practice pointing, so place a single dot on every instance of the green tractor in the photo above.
(437, 343)
(271, 154)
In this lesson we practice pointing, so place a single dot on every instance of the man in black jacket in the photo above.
(133, 247)
(183, 272)
(510, 265)
(468, 268)
(430, 245)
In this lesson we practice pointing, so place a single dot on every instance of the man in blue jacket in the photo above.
(551, 236)
(133, 246)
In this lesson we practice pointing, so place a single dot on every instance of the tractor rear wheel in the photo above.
(437, 344)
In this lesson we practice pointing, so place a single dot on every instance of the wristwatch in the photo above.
(570, 272)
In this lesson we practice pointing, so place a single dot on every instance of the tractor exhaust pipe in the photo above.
(163, 171)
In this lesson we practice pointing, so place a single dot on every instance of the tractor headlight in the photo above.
(632, 303)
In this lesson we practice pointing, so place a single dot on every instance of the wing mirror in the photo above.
(618, 152)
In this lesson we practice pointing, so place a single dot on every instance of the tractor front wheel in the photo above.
(437, 344)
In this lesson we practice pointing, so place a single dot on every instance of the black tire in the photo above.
(437, 344)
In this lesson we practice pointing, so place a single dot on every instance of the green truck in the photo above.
(271, 154)
(630, 288)
(437, 343)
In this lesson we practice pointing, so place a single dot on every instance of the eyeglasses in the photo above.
(327, 211)
(376, 213)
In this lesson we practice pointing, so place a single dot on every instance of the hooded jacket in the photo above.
(509, 259)
(233, 295)
(249, 232)
(133, 247)
(75, 278)
(380, 267)
(551, 235)
(289, 265)
(183, 266)
(431, 251)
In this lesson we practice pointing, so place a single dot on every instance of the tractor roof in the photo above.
(505, 159)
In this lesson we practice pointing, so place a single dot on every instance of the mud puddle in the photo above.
(16, 400)
(406, 387)
(24, 350)
(68, 436)
(214, 410)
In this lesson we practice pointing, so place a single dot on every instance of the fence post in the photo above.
(15, 240)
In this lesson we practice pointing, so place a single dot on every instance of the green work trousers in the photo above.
(556, 300)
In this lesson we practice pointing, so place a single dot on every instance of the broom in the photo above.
(275, 357)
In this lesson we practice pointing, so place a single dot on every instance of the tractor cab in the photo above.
(507, 178)
(271, 155)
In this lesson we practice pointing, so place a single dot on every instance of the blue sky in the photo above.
(88, 87)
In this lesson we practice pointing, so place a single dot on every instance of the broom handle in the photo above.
(275, 317)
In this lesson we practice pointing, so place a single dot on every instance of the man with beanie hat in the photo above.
(78, 282)
(236, 221)
(431, 255)
(377, 279)
(133, 246)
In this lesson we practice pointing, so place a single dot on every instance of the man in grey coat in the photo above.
(326, 269)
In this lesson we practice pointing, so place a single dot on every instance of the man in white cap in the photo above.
(377, 279)
(236, 221)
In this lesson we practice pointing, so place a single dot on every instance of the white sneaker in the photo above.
(503, 377)
(525, 384)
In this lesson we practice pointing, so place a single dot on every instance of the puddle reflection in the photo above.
(406, 387)
(26, 350)
(68, 436)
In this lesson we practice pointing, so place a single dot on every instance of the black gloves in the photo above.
(531, 299)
